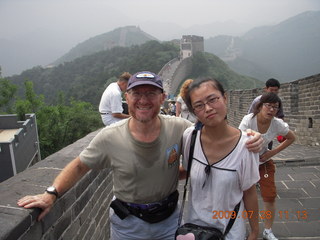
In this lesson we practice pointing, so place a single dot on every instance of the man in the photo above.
(110, 106)
(272, 85)
(143, 152)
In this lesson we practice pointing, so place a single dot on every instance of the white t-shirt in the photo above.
(277, 127)
(221, 190)
(185, 111)
(111, 102)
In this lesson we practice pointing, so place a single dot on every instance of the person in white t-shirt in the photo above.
(264, 120)
(223, 171)
(181, 107)
(110, 106)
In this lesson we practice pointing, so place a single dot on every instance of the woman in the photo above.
(264, 121)
(181, 107)
(223, 171)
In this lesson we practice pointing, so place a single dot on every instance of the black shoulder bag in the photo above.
(199, 232)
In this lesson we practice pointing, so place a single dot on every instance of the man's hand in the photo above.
(44, 201)
(254, 144)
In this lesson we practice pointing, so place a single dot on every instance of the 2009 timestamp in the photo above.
(282, 214)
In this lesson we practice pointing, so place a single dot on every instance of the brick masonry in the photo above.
(82, 213)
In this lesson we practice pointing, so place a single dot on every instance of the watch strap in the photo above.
(52, 190)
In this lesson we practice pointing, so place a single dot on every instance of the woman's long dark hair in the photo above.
(268, 97)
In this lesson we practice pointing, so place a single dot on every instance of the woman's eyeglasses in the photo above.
(270, 107)
(201, 105)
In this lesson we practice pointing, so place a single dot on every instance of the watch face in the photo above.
(51, 189)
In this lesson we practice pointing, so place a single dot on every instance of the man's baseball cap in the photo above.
(145, 78)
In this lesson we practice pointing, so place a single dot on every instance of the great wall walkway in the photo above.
(298, 201)
(298, 188)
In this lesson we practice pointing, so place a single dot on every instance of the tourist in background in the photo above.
(272, 85)
(264, 120)
(223, 171)
(181, 107)
(110, 107)
(172, 108)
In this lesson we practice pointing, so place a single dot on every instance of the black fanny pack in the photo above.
(151, 213)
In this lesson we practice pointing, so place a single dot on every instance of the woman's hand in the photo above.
(266, 156)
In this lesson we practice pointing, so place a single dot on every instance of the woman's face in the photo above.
(269, 110)
(209, 104)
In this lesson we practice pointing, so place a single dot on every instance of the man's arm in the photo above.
(178, 109)
(63, 182)
(120, 115)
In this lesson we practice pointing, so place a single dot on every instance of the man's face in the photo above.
(144, 102)
(272, 89)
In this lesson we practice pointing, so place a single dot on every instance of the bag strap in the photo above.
(192, 144)
(231, 221)
(193, 140)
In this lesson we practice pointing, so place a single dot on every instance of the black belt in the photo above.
(104, 113)
(153, 205)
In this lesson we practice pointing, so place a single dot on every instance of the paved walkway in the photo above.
(298, 189)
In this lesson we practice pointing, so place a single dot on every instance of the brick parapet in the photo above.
(81, 213)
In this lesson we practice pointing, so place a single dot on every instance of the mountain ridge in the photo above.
(287, 51)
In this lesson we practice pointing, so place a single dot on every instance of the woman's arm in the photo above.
(178, 109)
(290, 138)
(250, 200)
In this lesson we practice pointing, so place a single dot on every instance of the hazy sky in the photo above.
(86, 18)
(37, 32)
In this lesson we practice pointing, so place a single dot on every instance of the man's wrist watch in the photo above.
(52, 190)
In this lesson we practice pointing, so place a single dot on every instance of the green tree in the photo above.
(7, 92)
(61, 125)
(31, 104)
(200, 65)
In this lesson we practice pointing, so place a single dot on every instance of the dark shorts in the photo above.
(267, 185)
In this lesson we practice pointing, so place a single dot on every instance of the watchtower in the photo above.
(190, 44)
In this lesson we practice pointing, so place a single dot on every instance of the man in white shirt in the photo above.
(110, 106)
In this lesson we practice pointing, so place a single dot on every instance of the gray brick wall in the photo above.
(81, 213)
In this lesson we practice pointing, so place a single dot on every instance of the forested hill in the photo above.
(85, 78)
(119, 37)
